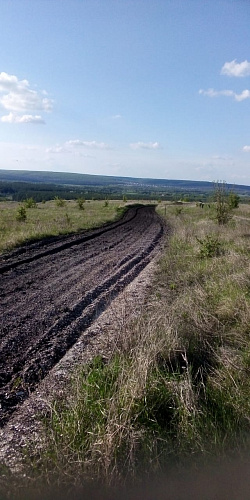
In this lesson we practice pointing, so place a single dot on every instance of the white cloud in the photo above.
(114, 165)
(18, 97)
(28, 100)
(76, 146)
(13, 118)
(56, 149)
(216, 93)
(246, 149)
(145, 145)
(245, 94)
(10, 82)
(87, 144)
(221, 157)
(116, 117)
(236, 69)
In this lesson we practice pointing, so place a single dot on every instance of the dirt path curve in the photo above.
(51, 292)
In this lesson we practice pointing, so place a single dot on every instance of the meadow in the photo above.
(51, 218)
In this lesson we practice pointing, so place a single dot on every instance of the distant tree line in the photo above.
(39, 191)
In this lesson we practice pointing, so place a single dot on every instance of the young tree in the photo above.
(222, 207)
(30, 203)
(21, 214)
(80, 203)
(59, 201)
(233, 200)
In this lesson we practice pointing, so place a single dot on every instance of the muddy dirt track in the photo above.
(52, 291)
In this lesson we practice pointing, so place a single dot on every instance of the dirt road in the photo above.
(52, 291)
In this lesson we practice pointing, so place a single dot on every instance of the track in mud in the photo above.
(51, 292)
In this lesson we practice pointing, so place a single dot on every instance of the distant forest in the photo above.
(43, 186)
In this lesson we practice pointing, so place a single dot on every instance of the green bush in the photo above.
(21, 214)
(30, 203)
(233, 200)
(80, 203)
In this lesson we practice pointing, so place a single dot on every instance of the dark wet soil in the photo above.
(51, 291)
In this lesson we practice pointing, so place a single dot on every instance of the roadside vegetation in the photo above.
(22, 222)
(176, 389)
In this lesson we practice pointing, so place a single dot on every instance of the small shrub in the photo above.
(59, 202)
(80, 203)
(178, 210)
(233, 200)
(106, 203)
(21, 214)
(209, 246)
(30, 203)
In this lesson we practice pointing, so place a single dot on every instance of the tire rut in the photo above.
(53, 296)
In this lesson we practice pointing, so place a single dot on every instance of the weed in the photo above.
(68, 219)
(178, 210)
(210, 246)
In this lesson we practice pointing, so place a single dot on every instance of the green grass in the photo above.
(50, 218)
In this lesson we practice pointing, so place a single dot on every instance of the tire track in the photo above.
(51, 296)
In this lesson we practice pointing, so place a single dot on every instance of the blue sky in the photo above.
(138, 88)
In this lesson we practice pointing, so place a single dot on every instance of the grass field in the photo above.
(51, 219)
(177, 389)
